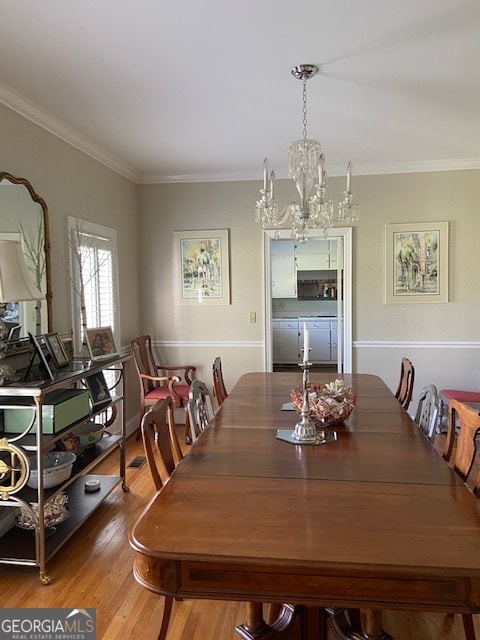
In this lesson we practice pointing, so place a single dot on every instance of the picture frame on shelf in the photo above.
(13, 337)
(100, 342)
(416, 257)
(98, 388)
(201, 266)
(56, 349)
(38, 352)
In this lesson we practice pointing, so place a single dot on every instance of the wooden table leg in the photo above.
(291, 623)
(372, 625)
(343, 624)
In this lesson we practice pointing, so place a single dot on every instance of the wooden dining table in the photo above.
(372, 520)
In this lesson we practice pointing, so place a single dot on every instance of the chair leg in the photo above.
(167, 611)
(468, 626)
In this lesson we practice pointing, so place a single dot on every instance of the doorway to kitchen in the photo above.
(322, 272)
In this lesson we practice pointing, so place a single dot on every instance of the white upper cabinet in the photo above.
(284, 272)
(317, 254)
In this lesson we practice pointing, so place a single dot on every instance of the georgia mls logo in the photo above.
(48, 624)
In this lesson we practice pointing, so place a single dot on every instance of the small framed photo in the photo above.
(101, 343)
(38, 351)
(97, 386)
(56, 349)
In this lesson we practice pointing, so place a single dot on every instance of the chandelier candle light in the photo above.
(306, 165)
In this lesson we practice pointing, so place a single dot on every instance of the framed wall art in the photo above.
(201, 263)
(416, 262)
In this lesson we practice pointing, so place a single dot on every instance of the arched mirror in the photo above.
(24, 216)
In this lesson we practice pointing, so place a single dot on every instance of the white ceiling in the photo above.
(165, 90)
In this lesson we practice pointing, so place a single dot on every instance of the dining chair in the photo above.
(446, 395)
(460, 446)
(160, 380)
(427, 413)
(460, 451)
(199, 408)
(219, 389)
(405, 384)
(161, 448)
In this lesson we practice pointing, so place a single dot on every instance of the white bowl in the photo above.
(57, 467)
(85, 436)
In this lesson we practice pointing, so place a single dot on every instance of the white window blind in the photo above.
(94, 269)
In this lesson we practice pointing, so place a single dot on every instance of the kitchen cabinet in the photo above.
(316, 254)
(284, 271)
(288, 341)
(334, 341)
(320, 337)
(285, 342)
(36, 546)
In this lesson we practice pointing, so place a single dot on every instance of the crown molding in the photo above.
(34, 114)
(335, 171)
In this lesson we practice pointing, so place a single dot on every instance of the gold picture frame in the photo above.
(201, 263)
(416, 262)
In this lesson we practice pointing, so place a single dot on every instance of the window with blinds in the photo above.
(93, 259)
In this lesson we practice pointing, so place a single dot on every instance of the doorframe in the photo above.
(344, 322)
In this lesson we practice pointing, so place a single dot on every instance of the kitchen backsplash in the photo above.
(292, 308)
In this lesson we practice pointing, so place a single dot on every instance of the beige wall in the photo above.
(441, 339)
(72, 184)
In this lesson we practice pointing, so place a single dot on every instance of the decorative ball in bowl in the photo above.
(330, 404)
(57, 467)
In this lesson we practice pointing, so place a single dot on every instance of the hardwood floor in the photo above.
(94, 569)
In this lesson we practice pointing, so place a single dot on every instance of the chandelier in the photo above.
(306, 165)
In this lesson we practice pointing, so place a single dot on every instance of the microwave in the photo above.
(316, 289)
(309, 289)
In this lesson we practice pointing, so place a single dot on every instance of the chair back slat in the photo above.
(462, 455)
(405, 384)
(160, 441)
(199, 407)
(428, 411)
(218, 383)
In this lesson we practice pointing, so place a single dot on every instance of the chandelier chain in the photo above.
(304, 108)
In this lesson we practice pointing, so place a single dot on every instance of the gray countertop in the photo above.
(305, 318)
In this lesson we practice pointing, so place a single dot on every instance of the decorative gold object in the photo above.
(14, 469)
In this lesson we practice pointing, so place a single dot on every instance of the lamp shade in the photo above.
(16, 283)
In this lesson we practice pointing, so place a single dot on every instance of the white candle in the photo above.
(349, 176)
(321, 170)
(272, 179)
(305, 342)
(265, 174)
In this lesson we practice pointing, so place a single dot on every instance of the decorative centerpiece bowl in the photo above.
(57, 467)
(330, 404)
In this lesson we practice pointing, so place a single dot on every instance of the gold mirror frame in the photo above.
(48, 274)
